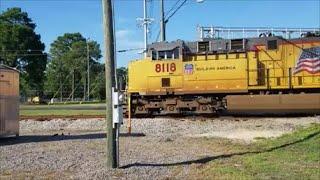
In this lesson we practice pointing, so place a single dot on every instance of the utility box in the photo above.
(9, 101)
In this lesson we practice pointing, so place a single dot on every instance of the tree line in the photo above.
(63, 72)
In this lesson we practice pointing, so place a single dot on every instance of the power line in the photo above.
(167, 16)
(32, 54)
(27, 50)
(172, 7)
(151, 8)
(158, 36)
(183, 3)
(126, 50)
(157, 27)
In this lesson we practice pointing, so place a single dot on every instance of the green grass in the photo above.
(77, 102)
(62, 110)
(292, 156)
(54, 112)
(51, 106)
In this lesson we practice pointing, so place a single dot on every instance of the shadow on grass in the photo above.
(223, 156)
(58, 137)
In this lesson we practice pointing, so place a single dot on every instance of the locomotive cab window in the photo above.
(272, 45)
(161, 55)
(154, 55)
(175, 53)
(169, 55)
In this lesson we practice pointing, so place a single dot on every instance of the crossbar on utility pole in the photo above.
(112, 154)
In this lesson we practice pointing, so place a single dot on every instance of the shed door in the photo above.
(4, 91)
(9, 103)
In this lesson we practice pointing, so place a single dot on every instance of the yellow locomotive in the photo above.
(266, 74)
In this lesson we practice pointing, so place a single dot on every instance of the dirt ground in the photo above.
(158, 148)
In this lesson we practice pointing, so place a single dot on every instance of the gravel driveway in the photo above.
(159, 148)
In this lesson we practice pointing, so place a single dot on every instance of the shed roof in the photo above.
(2, 66)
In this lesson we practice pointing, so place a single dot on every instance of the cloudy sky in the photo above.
(56, 17)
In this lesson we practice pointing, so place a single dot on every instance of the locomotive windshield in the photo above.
(165, 55)
(165, 50)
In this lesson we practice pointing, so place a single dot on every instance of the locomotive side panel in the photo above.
(137, 76)
(211, 76)
(277, 69)
(216, 76)
(306, 74)
(148, 77)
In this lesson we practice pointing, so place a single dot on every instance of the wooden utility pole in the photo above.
(60, 79)
(112, 154)
(84, 86)
(88, 69)
(162, 22)
(72, 96)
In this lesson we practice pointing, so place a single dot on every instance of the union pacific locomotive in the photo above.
(263, 74)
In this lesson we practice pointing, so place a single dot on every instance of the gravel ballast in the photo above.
(158, 148)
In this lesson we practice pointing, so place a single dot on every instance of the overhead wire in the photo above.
(176, 10)
(158, 24)
(172, 7)
(158, 36)
(32, 54)
(151, 4)
(132, 49)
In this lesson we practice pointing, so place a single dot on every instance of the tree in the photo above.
(98, 89)
(67, 68)
(21, 47)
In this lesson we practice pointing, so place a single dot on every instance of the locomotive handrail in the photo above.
(216, 31)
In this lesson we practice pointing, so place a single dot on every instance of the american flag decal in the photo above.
(309, 61)
(188, 68)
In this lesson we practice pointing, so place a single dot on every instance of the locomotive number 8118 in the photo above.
(165, 67)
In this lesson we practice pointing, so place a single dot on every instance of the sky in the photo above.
(56, 17)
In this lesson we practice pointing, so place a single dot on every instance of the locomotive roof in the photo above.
(192, 46)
